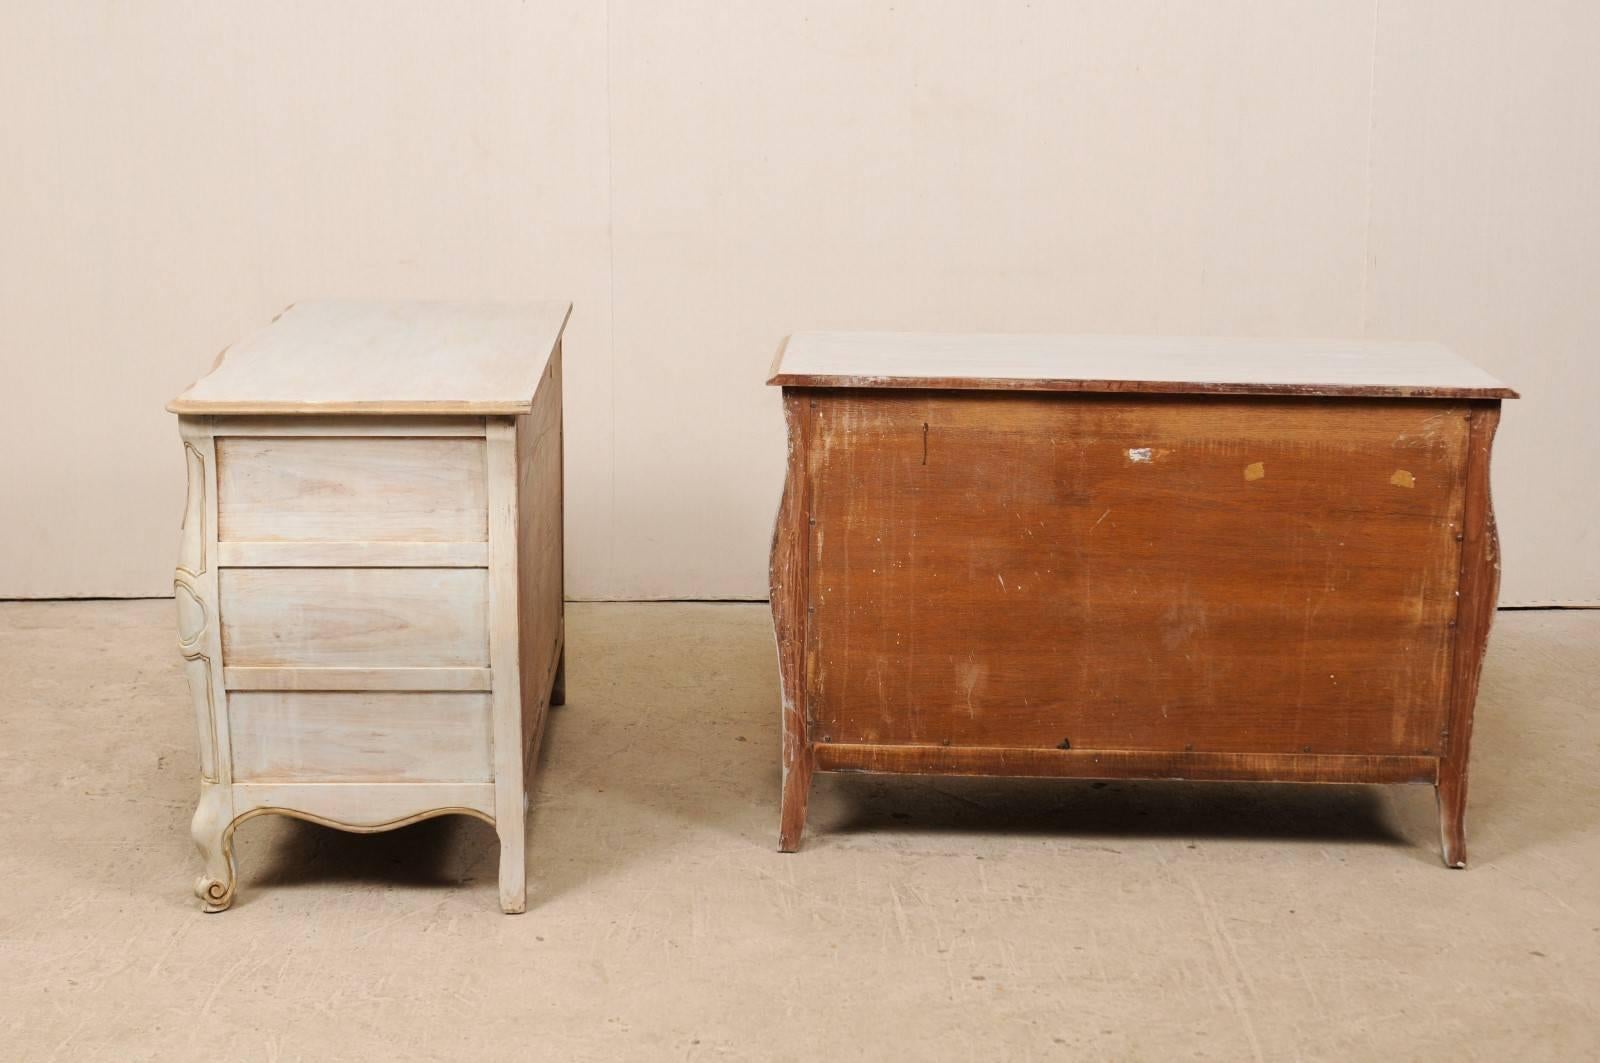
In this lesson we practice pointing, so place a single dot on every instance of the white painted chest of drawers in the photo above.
(369, 583)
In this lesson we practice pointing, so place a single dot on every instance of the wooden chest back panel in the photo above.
(351, 489)
(1160, 573)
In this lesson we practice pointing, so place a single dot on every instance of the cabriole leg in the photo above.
(1479, 589)
(796, 782)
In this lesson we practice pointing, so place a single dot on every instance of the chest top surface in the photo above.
(1151, 364)
(385, 357)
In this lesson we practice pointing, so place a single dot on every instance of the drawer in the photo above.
(351, 489)
(368, 736)
(354, 618)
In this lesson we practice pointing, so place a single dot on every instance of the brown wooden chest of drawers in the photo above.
(1133, 558)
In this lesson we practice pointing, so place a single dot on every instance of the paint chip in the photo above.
(1140, 454)
(1401, 478)
(1256, 470)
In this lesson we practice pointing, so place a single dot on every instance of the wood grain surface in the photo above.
(355, 617)
(374, 357)
(1122, 764)
(541, 609)
(369, 582)
(343, 489)
(360, 736)
(1479, 588)
(1173, 574)
(787, 575)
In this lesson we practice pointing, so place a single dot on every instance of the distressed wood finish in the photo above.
(1480, 587)
(253, 678)
(343, 490)
(540, 560)
(355, 617)
(374, 357)
(790, 541)
(200, 642)
(511, 801)
(361, 736)
(368, 601)
(1159, 365)
(1024, 762)
(353, 555)
(1234, 575)
(1114, 582)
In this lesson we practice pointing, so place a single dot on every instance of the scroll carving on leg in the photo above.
(788, 594)
(212, 830)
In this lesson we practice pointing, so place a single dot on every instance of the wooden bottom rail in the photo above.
(1123, 764)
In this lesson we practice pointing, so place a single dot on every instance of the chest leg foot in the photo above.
(1452, 794)
(212, 830)
(513, 868)
(796, 783)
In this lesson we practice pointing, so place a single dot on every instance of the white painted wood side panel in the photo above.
(403, 357)
(504, 619)
(435, 679)
(305, 424)
(354, 618)
(350, 489)
(1167, 359)
(366, 736)
(353, 555)
(540, 548)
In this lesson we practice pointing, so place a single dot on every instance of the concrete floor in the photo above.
(962, 919)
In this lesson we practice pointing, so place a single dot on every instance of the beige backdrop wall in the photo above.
(702, 177)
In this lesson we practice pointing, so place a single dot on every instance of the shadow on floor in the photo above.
(453, 852)
(444, 853)
(1070, 809)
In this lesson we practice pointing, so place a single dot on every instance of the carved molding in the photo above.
(197, 670)
(192, 544)
(191, 614)
(216, 894)
(190, 591)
